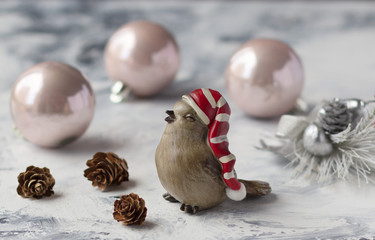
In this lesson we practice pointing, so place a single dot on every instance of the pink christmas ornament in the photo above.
(52, 104)
(142, 56)
(264, 78)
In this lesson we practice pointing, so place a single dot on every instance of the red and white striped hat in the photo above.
(214, 111)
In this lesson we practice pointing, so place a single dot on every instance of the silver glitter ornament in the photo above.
(316, 142)
(324, 155)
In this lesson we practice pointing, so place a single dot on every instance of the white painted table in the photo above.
(335, 41)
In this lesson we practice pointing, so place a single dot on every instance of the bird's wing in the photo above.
(213, 167)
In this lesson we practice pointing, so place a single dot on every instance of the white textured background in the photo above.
(335, 42)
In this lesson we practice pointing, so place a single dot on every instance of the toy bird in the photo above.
(193, 161)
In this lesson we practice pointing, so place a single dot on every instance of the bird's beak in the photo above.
(171, 117)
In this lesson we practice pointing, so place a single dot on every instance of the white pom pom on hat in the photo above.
(237, 195)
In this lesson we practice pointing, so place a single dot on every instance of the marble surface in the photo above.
(335, 41)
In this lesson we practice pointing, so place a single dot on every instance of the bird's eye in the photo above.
(190, 118)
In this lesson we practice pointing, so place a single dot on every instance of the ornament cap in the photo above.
(119, 92)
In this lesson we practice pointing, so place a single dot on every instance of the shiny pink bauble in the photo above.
(52, 104)
(144, 56)
(264, 78)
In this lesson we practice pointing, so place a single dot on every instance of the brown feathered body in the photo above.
(186, 166)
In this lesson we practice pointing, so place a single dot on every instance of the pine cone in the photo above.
(35, 183)
(130, 209)
(336, 117)
(106, 169)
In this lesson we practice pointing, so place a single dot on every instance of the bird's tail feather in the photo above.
(256, 188)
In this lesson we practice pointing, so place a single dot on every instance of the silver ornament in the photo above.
(316, 141)
(333, 154)
(356, 108)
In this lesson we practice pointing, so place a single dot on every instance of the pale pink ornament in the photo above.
(143, 57)
(52, 104)
(264, 78)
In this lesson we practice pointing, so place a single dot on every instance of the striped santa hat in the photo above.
(214, 111)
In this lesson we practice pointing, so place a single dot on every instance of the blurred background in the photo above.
(333, 38)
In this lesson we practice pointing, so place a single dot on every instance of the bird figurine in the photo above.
(193, 162)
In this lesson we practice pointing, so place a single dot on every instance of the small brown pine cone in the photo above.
(35, 183)
(106, 169)
(130, 209)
